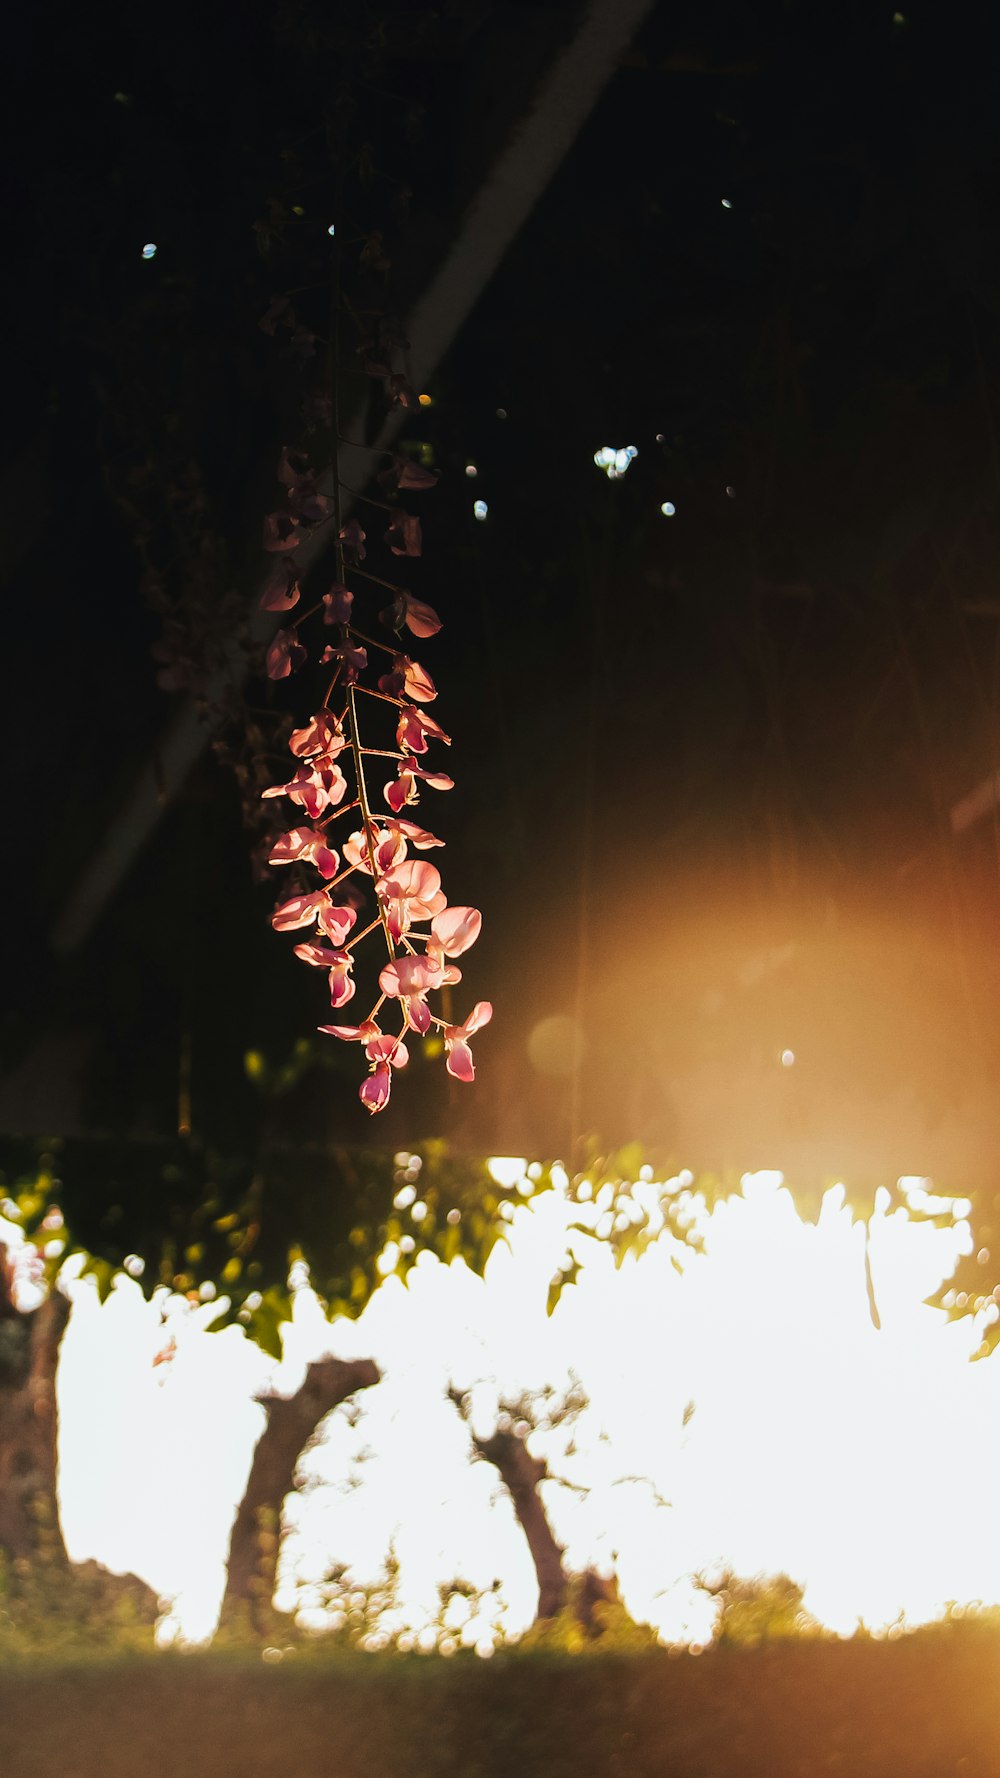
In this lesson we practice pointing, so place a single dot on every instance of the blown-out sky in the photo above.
(742, 1412)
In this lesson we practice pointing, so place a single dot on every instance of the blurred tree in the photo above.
(345, 1220)
(584, 1605)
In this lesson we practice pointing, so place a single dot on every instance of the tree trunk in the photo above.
(291, 1422)
(521, 1474)
(29, 1353)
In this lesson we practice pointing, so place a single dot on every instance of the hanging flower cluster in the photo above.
(370, 859)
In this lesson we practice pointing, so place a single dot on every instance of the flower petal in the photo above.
(460, 1063)
(457, 929)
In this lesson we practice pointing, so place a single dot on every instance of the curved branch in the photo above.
(291, 1421)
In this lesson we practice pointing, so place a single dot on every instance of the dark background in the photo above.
(706, 764)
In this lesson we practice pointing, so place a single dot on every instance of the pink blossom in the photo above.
(308, 507)
(456, 930)
(281, 533)
(341, 980)
(388, 846)
(285, 655)
(419, 618)
(294, 468)
(319, 957)
(409, 979)
(374, 1092)
(352, 1033)
(411, 891)
(317, 785)
(305, 843)
(353, 660)
(301, 910)
(404, 535)
(413, 728)
(322, 734)
(336, 922)
(408, 678)
(337, 604)
(456, 1041)
(417, 836)
(386, 1048)
(404, 472)
(353, 538)
(405, 790)
(282, 589)
(400, 390)
(383, 1051)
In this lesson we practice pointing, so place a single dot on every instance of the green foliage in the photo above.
(50, 1608)
(182, 1217)
(763, 1608)
(606, 1626)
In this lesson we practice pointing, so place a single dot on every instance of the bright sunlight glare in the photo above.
(743, 1412)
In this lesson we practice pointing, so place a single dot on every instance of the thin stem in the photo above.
(358, 936)
(359, 772)
(338, 516)
(326, 696)
(344, 873)
(367, 498)
(377, 578)
(386, 698)
(372, 641)
(343, 810)
(356, 445)
(304, 614)
(382, 753)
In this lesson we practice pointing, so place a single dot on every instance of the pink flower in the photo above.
(417, 836)
(322, 734)
(388, 845)
(318, 957)
(456, 930)
(301, 910)
(285, 655)
(282, 590)
(352, 1033)
(383, 1047)
(404, 472)
(281, 533)
(308, 507)
(353, 538)
(409, 979)
(419, 618)
(337, 604)
(307, 843)
(374, 1092)
(405, 790)
(413, 728)
(384, 1052)
(341, 980)
(294, 468)
(404, 534)
(411, 891)
(336, 922)
(400, 390)
(408, 678)
(317, 785)
(353, 660)
(456, 1041)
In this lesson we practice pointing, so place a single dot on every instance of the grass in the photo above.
(925, 1706)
